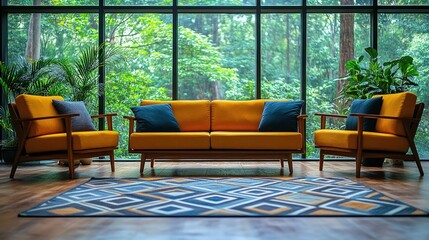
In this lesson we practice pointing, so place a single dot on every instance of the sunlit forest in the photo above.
(217, 53)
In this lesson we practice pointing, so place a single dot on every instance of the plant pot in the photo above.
(373, 162)
(8, 154)
(64, 162)
(86, 161)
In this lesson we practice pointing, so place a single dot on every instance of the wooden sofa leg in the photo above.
(152, 162)
(112, 161)
(142, 162)
(290, 164)
(282, 163)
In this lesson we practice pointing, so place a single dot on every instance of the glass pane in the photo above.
(403, 2)
(53, 3)
(281, 2)
(53, 36)
(408, 34)
(339, 2)
(332, 40)
(217, 2)
(139, 2)
(146, 41)
(281, 56)
(217, 56)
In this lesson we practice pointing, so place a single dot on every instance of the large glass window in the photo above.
(211, 49)
(217, 56)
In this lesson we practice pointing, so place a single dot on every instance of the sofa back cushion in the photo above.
(230, 115)
(32, 106)
(191, 115)
(395, 105)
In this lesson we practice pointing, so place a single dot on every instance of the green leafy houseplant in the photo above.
(367, 78)
(81, 74)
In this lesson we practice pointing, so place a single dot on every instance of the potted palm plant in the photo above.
(366, 78)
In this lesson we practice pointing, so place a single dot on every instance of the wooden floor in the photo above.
(36, 183)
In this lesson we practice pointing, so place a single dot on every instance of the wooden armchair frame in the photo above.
(22, 128)
(410, 126)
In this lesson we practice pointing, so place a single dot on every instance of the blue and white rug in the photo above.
(221, 197)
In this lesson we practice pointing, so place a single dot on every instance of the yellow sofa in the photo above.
(219, 129)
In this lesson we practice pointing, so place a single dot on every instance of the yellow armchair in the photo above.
(44, 134)
(394, 133)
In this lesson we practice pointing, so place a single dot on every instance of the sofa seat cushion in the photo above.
(256, 140)
(169, 140)
(347, 139)
(84, 140)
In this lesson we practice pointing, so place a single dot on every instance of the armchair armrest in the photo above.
(47, 117)
(324, 116)
(375, 116)
(108, 116)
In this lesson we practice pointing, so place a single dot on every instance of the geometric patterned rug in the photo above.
(221, 197)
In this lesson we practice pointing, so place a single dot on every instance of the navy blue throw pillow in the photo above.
(364, 106)
(155, 118)
(280, 116)
(82, 122)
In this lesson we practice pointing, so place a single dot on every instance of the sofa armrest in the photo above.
(131, 121)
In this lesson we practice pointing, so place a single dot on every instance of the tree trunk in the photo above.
(32, 50)
(346, 46)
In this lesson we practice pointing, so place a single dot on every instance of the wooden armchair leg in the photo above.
(14, 167)
(112, 161)
(152, 162)
(417, 158)
(322, 156)
(358, 165)
(71, 167)
(282, 163)
(142, 162)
